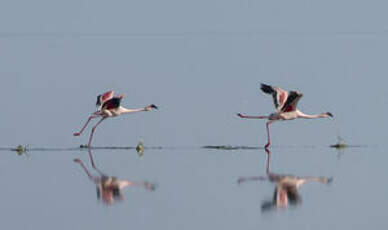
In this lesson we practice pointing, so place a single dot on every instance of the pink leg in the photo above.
(87, 122)
(252, 117)
(243, 179)
(269, 138)
(92, 162)
(83, 166)
(268, 160)
(93, 129)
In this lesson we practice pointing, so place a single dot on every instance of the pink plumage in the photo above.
(286, 107)
(109, 106)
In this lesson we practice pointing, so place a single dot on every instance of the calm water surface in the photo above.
(57, 56)
(194, 189)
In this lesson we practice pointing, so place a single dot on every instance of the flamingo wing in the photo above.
(102, 98)
(292, 101)
(279, 95)
(111, 104)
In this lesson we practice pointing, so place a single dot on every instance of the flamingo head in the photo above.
(329, 114)
(150, 107)
(149, 186)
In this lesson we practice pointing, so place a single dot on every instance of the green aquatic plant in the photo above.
(20, 149)
(83, 146)
(340, 144)
(140, 148)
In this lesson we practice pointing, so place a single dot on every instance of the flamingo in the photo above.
(109, 188)
(286, 186)
(109, 106)
(286, 108)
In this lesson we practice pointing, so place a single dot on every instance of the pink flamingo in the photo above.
(285, 104)
(109, 188)
(286, 186)
(109, 106)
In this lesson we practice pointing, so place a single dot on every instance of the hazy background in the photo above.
(201, 62)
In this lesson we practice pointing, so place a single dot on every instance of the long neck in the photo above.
(302, 181)
(322, 180)
(309, 116)
(91, 177)
(123, 183)
(125, 110)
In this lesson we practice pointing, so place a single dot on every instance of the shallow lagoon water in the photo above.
(196, 188)
(201, 71)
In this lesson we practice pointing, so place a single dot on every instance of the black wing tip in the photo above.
(118, 101)
(112, 103)
(98, 100)
(154, 106)
(330, 114)
(266, 88)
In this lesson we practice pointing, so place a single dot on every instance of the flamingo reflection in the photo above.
(286, 187)
(109, 188)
